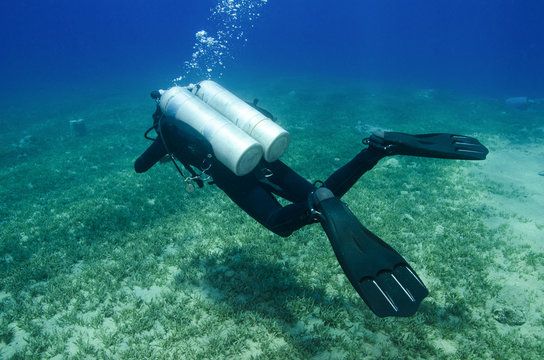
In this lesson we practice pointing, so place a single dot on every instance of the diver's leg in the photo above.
(381, 144)
(344, 178)
(252, 197)
(288, 219)
(294, 187)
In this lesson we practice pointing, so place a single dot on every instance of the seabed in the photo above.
(98, 262)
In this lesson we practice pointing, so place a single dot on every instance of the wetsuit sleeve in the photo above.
(153, 154)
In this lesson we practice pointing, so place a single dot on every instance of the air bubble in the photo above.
(232, 19)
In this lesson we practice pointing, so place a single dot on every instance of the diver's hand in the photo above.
(154, 153)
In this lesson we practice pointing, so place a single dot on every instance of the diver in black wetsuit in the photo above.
(380, 275)
(255, 192)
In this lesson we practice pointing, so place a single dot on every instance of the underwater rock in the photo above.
(439, 230)
(25, 141)
(518, 102)
(78, 128)
(511, 306)
(426, 94)
(392, 163)
(509, 316)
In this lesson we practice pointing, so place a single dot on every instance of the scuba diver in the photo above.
(381, 276)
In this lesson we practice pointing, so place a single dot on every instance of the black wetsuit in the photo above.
(254, 192)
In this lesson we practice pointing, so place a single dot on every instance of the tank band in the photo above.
(254, 126)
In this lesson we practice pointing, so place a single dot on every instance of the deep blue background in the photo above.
(486, 47)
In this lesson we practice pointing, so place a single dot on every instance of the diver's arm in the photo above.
(153, 154)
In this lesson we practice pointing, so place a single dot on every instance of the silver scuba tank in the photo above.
(270, 135)
(232, 147)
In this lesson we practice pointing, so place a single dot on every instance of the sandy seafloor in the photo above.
(98, 262)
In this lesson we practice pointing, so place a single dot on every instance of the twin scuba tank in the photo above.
(239, 134)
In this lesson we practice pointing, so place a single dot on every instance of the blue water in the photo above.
(491, 48)
(93, 254)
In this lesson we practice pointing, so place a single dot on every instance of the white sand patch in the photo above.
(447, 347)
(519, 204)
(526, 296)
(150, 294)
(77, 268)
(172, 272)
(171, 250)
(277, 342)
(517, 169)
(82, 336)
(209, 292)
(4, 295)
(333, 354)
(17, 343)
(253, 350)
(50, 326)
(8, 259)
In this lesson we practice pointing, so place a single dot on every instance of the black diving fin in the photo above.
(441, 145)
(383, 279)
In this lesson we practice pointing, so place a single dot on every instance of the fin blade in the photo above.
(438, 145)
(379, 274)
